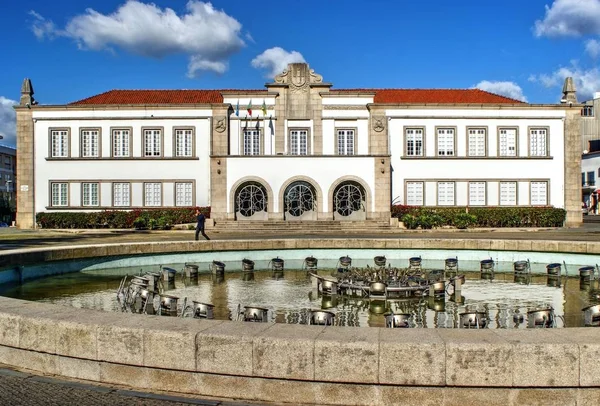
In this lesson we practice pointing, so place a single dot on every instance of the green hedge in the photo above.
(138, 218)
(429, 217)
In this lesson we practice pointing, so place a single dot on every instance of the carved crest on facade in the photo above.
(299, 76)
(379, 123)
(220, 124)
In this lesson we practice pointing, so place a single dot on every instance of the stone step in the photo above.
(306, 226)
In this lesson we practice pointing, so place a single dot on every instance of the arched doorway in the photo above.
(251, 202)
(300, 201)
(349, 201)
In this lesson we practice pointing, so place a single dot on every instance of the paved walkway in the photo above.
(22, 388)
(11, 238)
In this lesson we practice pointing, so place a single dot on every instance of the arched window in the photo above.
(250, 198)
(299, 198)
(348, 198)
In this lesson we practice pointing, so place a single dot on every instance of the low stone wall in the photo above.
(297, 363)
(304, 364)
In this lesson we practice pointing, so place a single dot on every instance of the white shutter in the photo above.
(445, 193)
(414, 193)
(508, 193)
(477, 193)
(539, 193)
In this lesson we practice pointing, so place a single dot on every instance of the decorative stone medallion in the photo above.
(220, 124)
(379, 123)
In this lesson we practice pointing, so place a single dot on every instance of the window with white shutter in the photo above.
(508, 193)
(184, 141)
(121, 143)
(60, 143)
(508, 142)
(251, 141)
(414, 141)
(445, 191)
(477, 193)
(445, 141)
(89, 193)
(345, 142)
(414, 193)
(539, 193)
(298, 142)
(152, 143)
(60, 194)
(538, 142)
(89, 143)
(477, 141)
(152, 194)
(121, 194)
(183, 194)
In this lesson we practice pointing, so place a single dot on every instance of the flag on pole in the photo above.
(246, 122)
(249, 108)
(271, 126)
(264, 108)
(237, 108)
(257, 123)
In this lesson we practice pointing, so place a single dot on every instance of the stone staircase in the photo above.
(302, 227)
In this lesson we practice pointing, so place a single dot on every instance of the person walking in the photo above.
(200, 220)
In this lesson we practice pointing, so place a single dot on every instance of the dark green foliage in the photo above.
(137, 218)
(493, 217)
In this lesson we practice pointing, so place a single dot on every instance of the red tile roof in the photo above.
(385, 96)
(154, 97)
(441, 96)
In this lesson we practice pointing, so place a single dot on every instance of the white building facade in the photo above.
(298, 150)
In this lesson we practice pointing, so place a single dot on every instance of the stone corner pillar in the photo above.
(572, 179)
(219, 144)
(25, 169)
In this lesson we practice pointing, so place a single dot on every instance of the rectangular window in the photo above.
(477, 140)
(414, 142)
(183, 194)
(152, 142)
(120, 141)
(477, 193)
(414, 193)
(345, 142)
(184, 142)
(539, 193)
(587, 111)
(299, 142)
(538, 142)
(152, 194)
(582, 178)
(508, 142)
(89, 143)
(60, 143)
(445, 141)
(251, 141)
(591, 178)
(60, 194)
(121, 194)
(89, 194)
(508, 193)
(445, 193)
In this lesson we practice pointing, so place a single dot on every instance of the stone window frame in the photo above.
(354, 143)
(161, 144)
(547, 182)
(112, 142)
(443, 127)
(81, 191)
(516, 182)
(405, 141)
(162, 193)
(99, 140)
(190, 181)
(308, 140)
(485, 197)
(261, 140)
(437, 193)
(499, 129)
(538, 127)
(113, 194)
(51, 142)
(486, 141)
(423, 192)
(51, 194)
(184, 128)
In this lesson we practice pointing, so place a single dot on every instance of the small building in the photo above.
(8, 183)
(299, 149)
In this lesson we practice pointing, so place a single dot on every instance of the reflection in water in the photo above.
(504, 297)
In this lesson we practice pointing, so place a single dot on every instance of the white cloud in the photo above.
(587, 81)
(207, 35)
(508, 89)
(570, 18)
(8, 122)
(275, 60)
(592, 47)
(43, 28)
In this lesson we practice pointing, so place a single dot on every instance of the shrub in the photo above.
(496, 217)
(152, 224)
(138, 218)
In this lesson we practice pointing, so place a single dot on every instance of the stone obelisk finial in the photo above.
(569, 94)
(27, 93)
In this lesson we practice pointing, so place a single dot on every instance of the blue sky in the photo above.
(73, 49)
